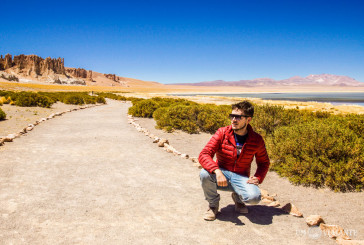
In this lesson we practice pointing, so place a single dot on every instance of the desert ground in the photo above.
(90, 177)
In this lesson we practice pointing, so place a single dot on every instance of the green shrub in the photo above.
(143, 108)
(212, 117)
(182, 117)
(319, 153)
(2, 115)
(28, 99)
(74, 99)
(100, 100)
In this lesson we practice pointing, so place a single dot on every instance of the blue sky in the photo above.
(191, 41)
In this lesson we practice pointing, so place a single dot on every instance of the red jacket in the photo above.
(223, 145)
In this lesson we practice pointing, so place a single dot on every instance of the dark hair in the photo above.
(245, 106)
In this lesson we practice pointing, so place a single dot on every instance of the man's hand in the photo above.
(220, 177)
(253, 180)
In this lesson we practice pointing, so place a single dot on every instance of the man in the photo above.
(235, 147)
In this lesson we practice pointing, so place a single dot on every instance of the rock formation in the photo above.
(112, 77)
(80, 73)
(32, 65)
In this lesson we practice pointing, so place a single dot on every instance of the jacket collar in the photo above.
(230, 133)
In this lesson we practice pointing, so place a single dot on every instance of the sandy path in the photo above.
(89, 177)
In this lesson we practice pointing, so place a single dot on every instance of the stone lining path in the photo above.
(89, 177)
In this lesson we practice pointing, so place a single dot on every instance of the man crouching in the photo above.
(235, 147)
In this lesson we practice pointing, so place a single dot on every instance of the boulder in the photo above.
(292, 210)
(334, 231)
(314, 220)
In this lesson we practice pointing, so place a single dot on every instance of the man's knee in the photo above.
(251, 198)
(204, 175)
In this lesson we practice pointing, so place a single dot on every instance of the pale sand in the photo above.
(89, 177)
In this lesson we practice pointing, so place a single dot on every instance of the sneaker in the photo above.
(211, 213)
(239, 207)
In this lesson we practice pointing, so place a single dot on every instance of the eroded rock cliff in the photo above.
(79, 73)
(33, 65)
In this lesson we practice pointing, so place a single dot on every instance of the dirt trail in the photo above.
(89, 177)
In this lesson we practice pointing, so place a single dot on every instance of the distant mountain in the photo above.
(311, 80)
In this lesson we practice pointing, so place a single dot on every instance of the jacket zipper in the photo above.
(236, 159)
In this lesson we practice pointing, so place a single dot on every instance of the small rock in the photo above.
(314, 220)
(168, 148)
(197, 164)
(274, 204)
(264, 193)
(152, 136)
(185, 156)
(194, 159)
(266, 201)
(29, 129)
(334, 231)
(156, 140)
(9, 138)
(272, 199)
(292, 210)
(2, 141)
(162, 142)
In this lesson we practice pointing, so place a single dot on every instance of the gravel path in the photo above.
(89, 177)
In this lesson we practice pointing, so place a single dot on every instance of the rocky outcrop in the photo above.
(79, 73)
(33, 65)
(6, 62)
(112, 77)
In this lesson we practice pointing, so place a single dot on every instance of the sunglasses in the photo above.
(237, 117)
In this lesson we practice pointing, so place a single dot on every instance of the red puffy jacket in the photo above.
(223, 144)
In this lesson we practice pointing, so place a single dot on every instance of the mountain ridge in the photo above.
(310, 80)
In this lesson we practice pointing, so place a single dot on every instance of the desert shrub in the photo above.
(143, 108)
(113, 96)
(319, 153)
(267, 117)
(100, 100)
(355, 122)
(74, 99)
(212, 117)
(2, 115)
(27, 99)
(4, 100)
(177, 116)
